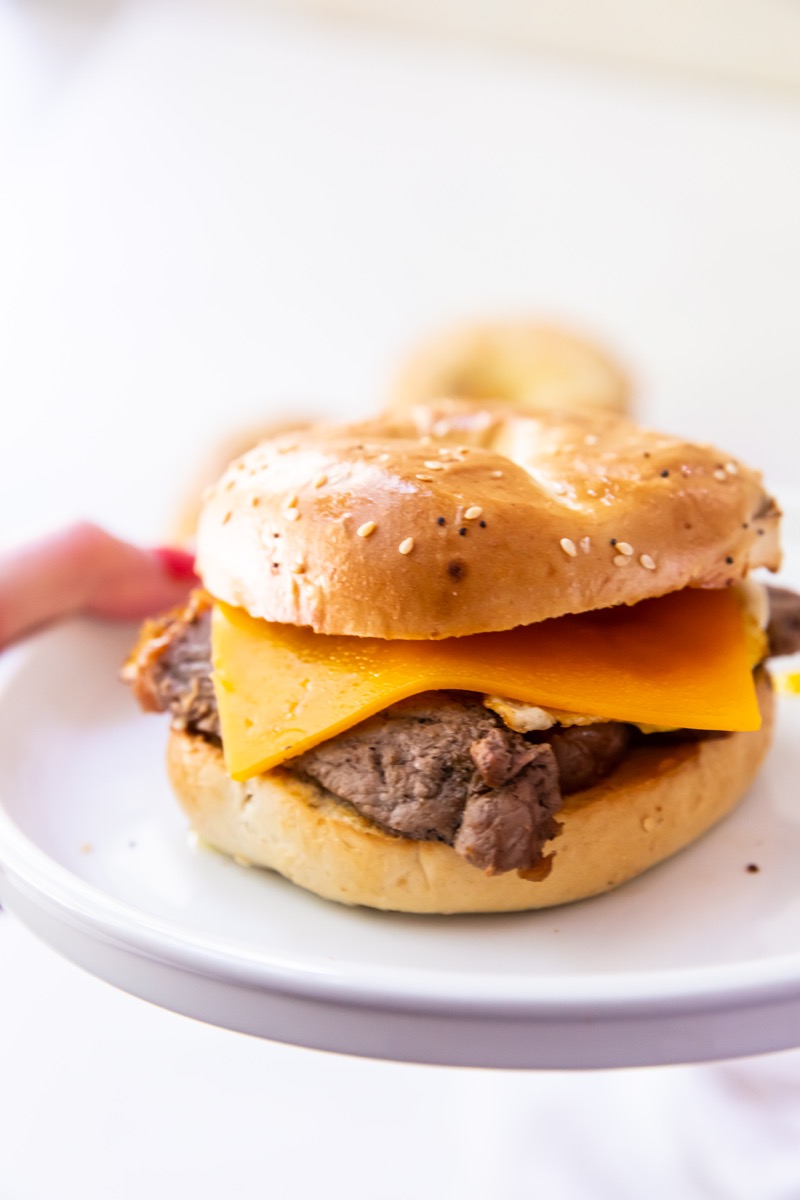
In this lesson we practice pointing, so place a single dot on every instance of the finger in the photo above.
(129, 582)
(85, 569)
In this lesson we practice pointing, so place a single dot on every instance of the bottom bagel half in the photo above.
(659, 799)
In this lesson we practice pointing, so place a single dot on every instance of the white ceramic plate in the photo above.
(698, 959)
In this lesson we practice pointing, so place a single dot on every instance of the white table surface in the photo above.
(211, 213)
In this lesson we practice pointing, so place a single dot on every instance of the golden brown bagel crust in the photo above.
(476, 520)
(659, 800)
(531, 364)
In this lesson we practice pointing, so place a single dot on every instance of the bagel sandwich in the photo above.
(468, 659)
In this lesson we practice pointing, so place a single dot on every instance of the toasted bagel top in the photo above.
(457, 518)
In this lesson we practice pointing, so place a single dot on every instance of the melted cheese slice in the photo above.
(678, 661)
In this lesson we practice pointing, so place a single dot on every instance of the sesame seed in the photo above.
(426, 478)
(483, 524)
(406, 546)
(620, 560)
(732, 468)
(568, 546)
(292, 514)
(292, 501)
(366, 529)
(613, 541)
(462, 532)
(496, 474)
(433, 465)
(440, 521)
(647, 562)
(473, 513)
(585, 544)
(729, 559)
(720, 475)
(320, 481)
(664, 473)
(625, 548)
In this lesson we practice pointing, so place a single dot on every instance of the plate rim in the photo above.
(671, 991)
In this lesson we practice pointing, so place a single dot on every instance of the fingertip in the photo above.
(177, 563)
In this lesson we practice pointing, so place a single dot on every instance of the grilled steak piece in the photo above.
(585, 754)
(507, 828)
(170, 668)
(783, 630)
(436, 768)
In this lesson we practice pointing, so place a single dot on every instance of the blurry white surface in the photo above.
(208, 213)
(105, 1095)
(747, 41)
(224, 213)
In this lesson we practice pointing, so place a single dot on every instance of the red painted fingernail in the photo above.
(177, 563)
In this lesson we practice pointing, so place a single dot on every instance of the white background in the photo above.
(211, 214)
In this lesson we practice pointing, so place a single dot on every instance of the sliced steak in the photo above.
(585, 754)
(408, 768)
(170, 668)
(498, 757)
(443, 769)
(783, 630)
(505, 828)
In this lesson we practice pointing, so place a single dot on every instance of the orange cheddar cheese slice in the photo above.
(678, 661)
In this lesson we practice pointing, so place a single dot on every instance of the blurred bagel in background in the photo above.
(528, 363)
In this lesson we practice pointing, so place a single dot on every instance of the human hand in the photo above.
(84, 569)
